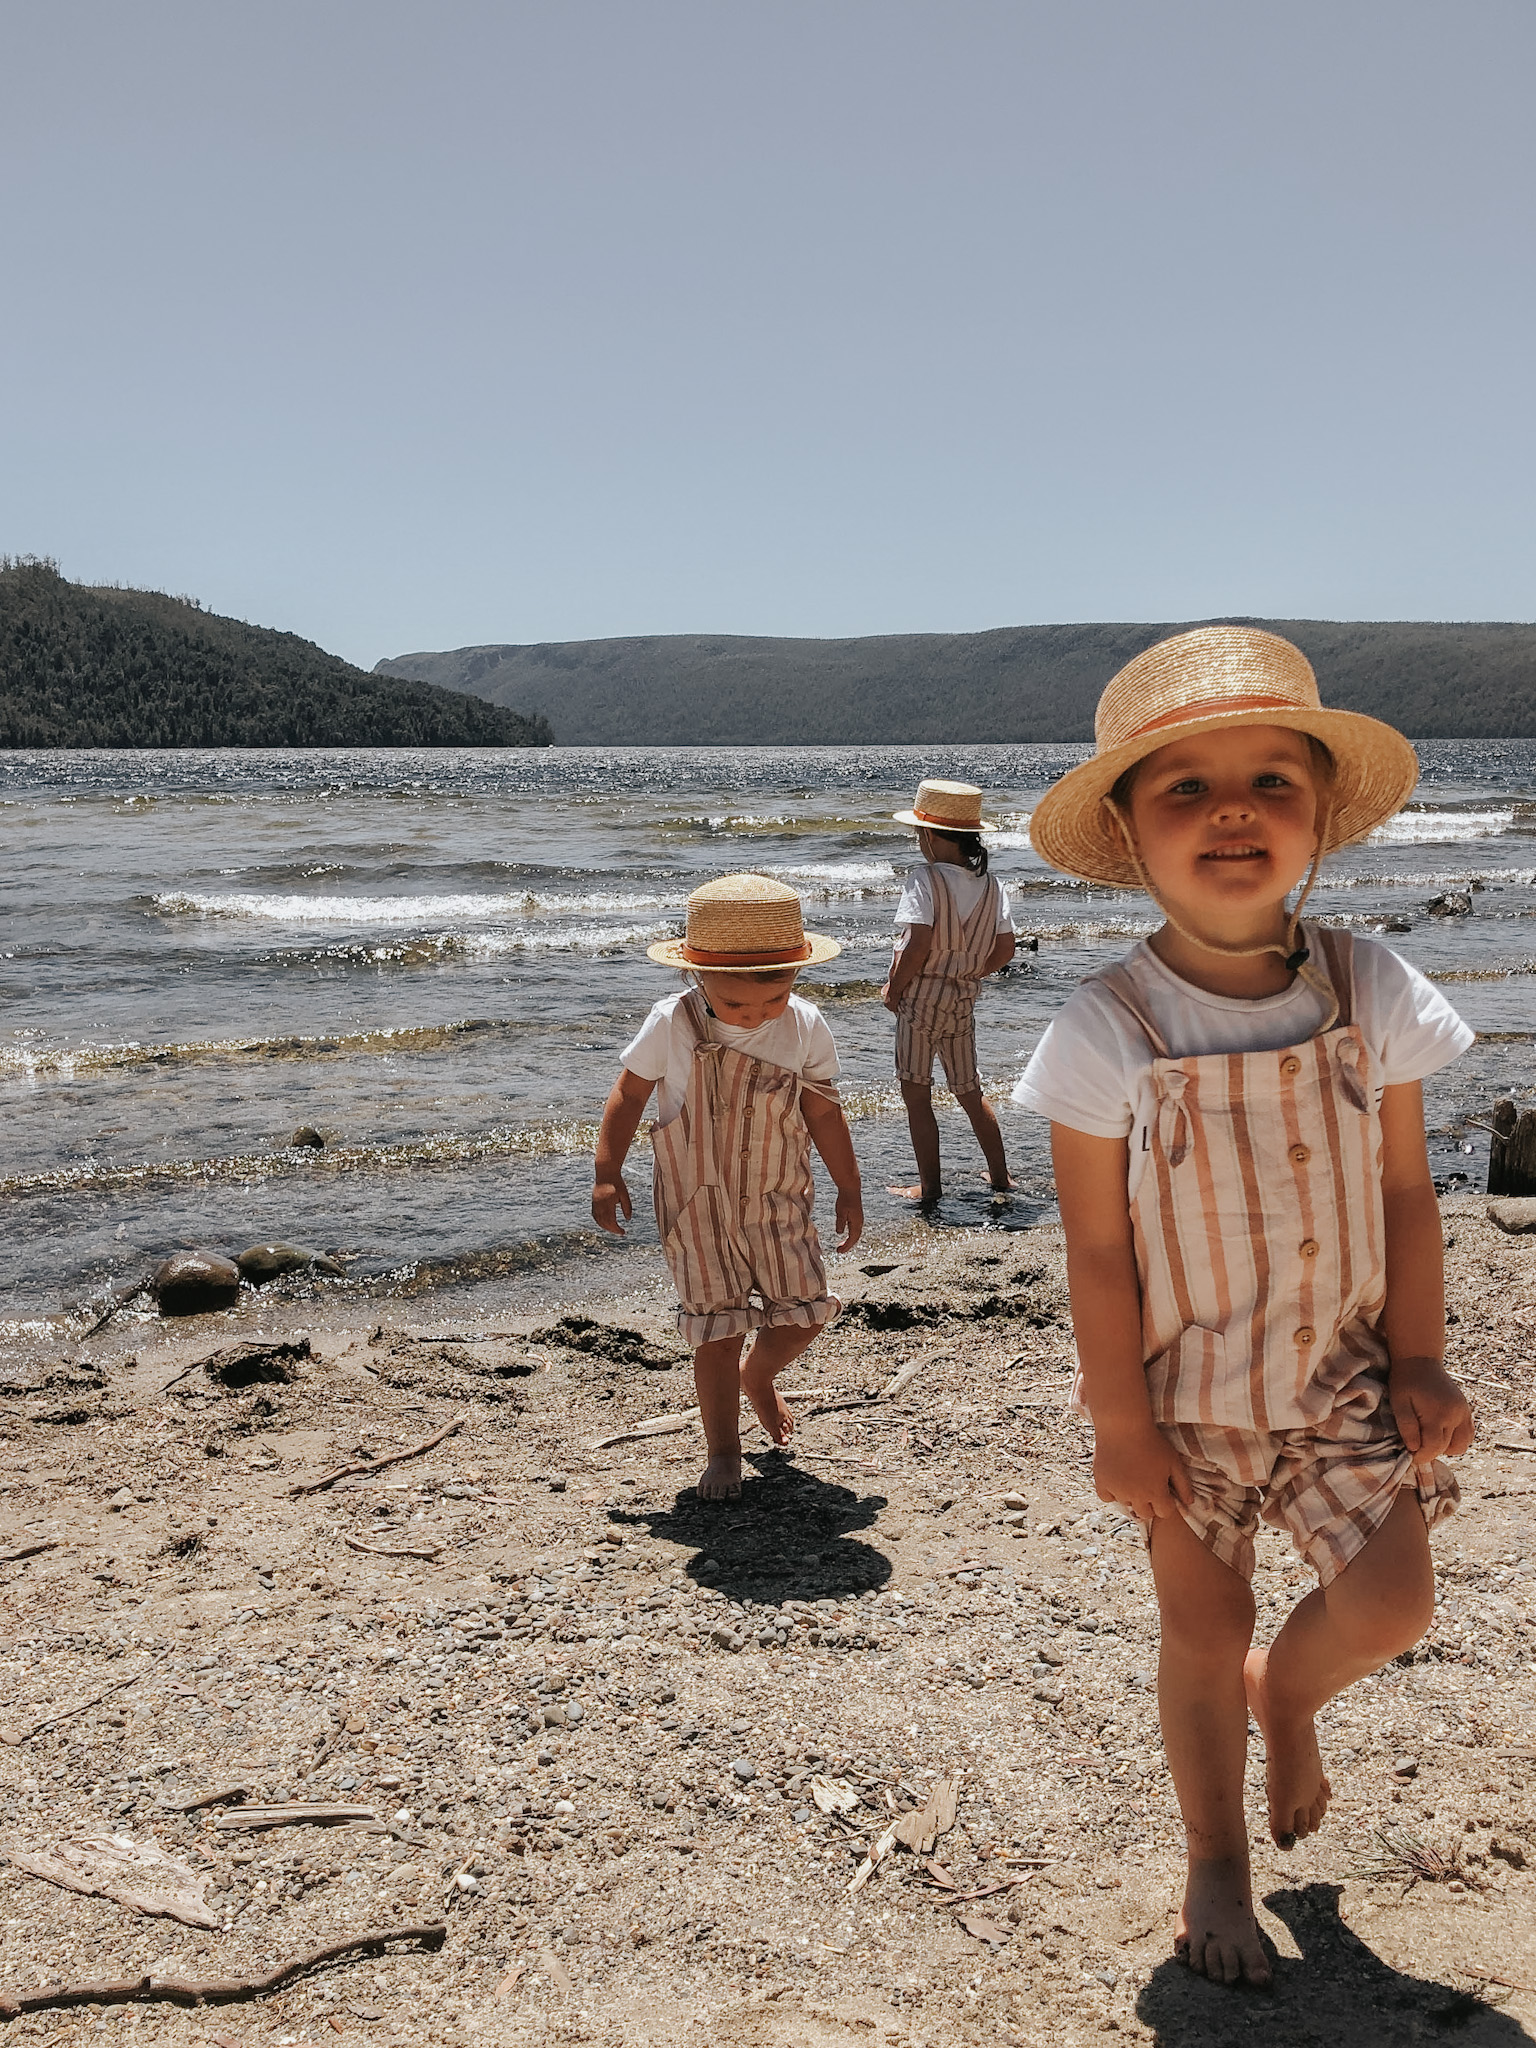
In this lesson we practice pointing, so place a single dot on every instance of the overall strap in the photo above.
(696, 1010)
(1121, 985)
(1338, 952)
(979, 927)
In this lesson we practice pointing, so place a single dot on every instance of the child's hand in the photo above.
(892, 1003)
(1139, 1470)
(1433, 1418)
(850, 1219)
(608, 1197)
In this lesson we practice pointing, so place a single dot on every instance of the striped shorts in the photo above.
(952, 1042)
(1329, 1493)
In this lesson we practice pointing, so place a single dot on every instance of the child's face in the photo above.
(1226, 823)
(743, 1001)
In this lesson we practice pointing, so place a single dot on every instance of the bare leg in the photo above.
(771, 1351)
(1207, 1625)
(989, 1137)
(716, 1376)
(924, 1127)
(1379, 1605)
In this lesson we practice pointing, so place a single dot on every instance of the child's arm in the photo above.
(907, 963)
(1431, 1410)
(832, 1138)
(1004, 946)
(621, 1119)
(1133, 1462)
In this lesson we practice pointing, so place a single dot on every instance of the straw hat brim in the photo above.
(1375, 773)
(932, 825)
(673, 953)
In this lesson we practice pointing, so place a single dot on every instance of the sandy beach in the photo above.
(633, 1752)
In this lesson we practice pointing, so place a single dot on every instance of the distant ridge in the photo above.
(1016, 683)
(84, 667)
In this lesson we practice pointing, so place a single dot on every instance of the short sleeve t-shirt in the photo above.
(662, 1049)
(1092, 1070)
(916, 905)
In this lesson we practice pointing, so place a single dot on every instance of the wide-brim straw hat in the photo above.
(1204, 681)
(946, 807)
(743, 924)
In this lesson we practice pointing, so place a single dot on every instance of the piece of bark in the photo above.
(921, 1830)
(225, 1795)
(364, 1466)
(982, 1929)
(377, 1550)
(296, 1813)
(215, 1990)
(14, 1737)
(659, 1425)
(136, 1874)
(879, 1850)
(833, 1798)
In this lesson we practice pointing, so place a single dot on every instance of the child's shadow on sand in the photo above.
(1340, 1995)
(787, 1538)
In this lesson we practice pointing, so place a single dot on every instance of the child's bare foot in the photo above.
(1293, 1767)
(1216, 1933)
(767, 1402)
(927, 1196)
(721, 1477)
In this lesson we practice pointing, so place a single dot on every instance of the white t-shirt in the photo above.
(916, 905)
(1092, 1069)
(662, 1049)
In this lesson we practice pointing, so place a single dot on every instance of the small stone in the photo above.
(744, 1769)
(192, 1283)
(558, 1483)
(723, 1634)
(574, 1713)
(1052, 1695)
(554, 1717)
(1515, 1214)
(1405, 1767)
(801, 1815)
(1015, 1503)
(565, 1806)
(307, 1139)
(467, 1881)
(1051, 1656)
(123, 1498)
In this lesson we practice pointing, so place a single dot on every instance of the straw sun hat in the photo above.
(1204, 681)
(946, 807)
(741, 924)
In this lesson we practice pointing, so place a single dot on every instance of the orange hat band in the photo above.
(697, 957)
(1209, 707)
(944, 824)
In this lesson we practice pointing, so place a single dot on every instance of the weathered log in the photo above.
(1512, 1151)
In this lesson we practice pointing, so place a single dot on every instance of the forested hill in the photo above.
(83, 667)
(1018, 683)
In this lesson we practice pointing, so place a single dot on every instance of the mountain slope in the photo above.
(1016, 683)
(82, 667)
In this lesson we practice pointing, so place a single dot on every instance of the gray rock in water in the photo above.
(1454, 903)
(188, 1283)
(307, 1138)
(1514, 1213)
(259, 1263)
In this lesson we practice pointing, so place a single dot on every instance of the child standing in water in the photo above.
(747, 1073)
(1253, 1243)
(954, 929)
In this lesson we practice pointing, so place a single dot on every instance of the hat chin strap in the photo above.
(1294, 952)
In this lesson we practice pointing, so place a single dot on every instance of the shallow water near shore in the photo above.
(435, 958)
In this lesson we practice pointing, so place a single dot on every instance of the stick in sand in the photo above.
(364, 1466)
(213, 1990)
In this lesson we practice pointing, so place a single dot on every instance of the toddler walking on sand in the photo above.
(954, 929)
(747, 1073)
(1253, 1243)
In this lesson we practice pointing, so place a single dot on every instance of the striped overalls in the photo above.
(1260, 1248)
(734, 1195)
(937, 1013)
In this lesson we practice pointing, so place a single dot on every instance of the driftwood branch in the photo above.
(14, 1737)
(363, 1467)
(215, 1990)
(295, 1813)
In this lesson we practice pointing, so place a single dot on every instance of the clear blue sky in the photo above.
(412, 323)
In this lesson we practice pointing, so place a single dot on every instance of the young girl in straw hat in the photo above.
(953, 929)
(747, 1072)
(1253, 1242)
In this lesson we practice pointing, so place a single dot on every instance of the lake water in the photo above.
(435, 958)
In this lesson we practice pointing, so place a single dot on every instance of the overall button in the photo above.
(1310, 1248)
(1301, 1154)
(1290, 1065)
(1306, 1334)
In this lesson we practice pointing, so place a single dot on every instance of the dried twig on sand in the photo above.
(224, 1796)
(296, 1813)
(380, 1550)
(14, 1737)
(30, 1550)
(362, 1467)
(215, 1990)
(1404, 1856)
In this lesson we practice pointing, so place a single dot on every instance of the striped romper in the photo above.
(1261, 1251)
(734, 1195)
(937, 1012)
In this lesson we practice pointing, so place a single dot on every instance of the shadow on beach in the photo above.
(1339, 1995)
(789, 1537)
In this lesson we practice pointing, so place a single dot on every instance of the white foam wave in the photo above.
(352, 911)
(1441, 828)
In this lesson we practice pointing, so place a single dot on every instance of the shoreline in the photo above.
(865, 1617)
